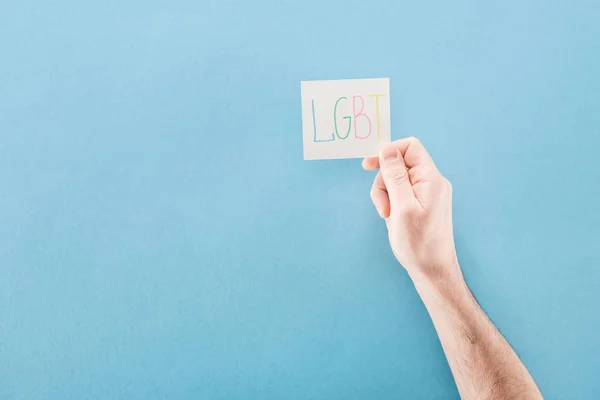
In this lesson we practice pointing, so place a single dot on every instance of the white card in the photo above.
(345, 118)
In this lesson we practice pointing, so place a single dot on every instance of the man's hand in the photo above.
(416, 202)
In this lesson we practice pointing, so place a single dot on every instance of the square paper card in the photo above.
(345, 118)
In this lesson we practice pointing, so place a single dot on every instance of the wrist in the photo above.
(441, 282)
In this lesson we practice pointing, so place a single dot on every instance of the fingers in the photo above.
(404, 163)
(380, 198)
(370, 163)
(415, 156)
(395, 177)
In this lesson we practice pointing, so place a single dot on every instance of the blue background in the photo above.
(161, 236)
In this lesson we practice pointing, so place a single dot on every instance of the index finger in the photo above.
(370, 163)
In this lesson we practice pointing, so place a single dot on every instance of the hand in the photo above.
(416, 202)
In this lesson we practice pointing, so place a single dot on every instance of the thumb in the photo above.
(395, 177)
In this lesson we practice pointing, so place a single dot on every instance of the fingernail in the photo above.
(389, 154)
(378, 208)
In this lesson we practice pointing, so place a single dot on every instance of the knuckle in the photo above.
(414, 140)
(396, 174)
(372, 194)
(448, 184)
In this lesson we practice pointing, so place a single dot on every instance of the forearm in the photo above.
(416, 202)
(483, 363)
